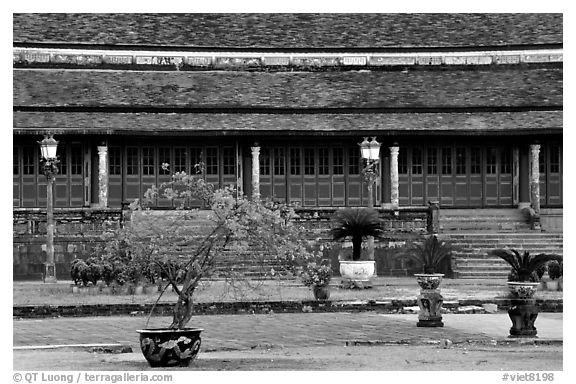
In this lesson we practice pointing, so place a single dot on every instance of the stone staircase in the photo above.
(475, 232)
(255, 264)
(494, 220)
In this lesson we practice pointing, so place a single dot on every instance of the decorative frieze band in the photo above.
(183, 61)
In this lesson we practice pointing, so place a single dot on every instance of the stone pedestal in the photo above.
(523, 314)
(430, 303)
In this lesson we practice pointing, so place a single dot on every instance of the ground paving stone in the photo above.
(223, 332)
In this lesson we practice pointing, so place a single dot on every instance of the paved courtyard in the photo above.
(226, 332)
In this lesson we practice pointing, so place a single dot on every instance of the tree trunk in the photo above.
(356, 248)
(182, 311)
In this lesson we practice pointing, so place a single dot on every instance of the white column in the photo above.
(255, 172)
(394, 200)
(102, 176)
(535, 178)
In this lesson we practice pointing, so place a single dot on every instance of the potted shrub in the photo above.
(356, 224)
(429, 255)
(184, 252)
(522, 283)
(554, 274)
(317, 277)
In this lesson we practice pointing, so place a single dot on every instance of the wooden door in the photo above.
(354, 178)
(447, 177)
(295, 177)
(432, 189)
(115, 193)
(266, 184)
(338, 183)
(417, 176)
(132, 174)
(476, 189)
(461, 177)
(324, 179)
(279, 174)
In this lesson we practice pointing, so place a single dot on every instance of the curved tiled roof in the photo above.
(504, 123)
(291, 31)
(457, 88)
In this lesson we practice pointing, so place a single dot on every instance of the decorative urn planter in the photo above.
(357, 273)
(523, 310)
(430, 300)
(170, 347)
(522, 289)
(321, 292)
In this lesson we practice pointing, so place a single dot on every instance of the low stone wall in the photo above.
(76, 233)
(264, 307)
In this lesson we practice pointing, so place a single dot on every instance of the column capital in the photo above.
(394, 149)
(255, 150)
(102, 149)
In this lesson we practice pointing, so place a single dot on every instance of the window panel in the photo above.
(323, 161)
(212, 161)
(338, 161)
(63, 158)
(148, 161)
(15, 161)
(555, 159)
(164, 158)
(279, 162)
(506, 161)
(416, 161)
(460, 161)
(114, 161)
(475, 161)
(353, 161)
(403, 162)
(228, 161)
(491, 161)
(446, 161)
(180, 159)
(294, 161)
(76, 160)
(432, 161)
(265, 161)
(198, 165)
(309, 163)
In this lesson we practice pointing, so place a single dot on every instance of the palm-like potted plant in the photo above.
(523, 277)
(187, 246)
(554, 273)
(523, 282)
(430, 254)
(356, 224)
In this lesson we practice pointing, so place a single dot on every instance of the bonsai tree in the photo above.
(357, 224)
(430, 253)
(524, 266)
(188, 245)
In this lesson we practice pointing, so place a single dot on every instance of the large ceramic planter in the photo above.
(523, 311)
(430, 300)
(321, 292)
(170, 347)
(552, 285)
(361, 270)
